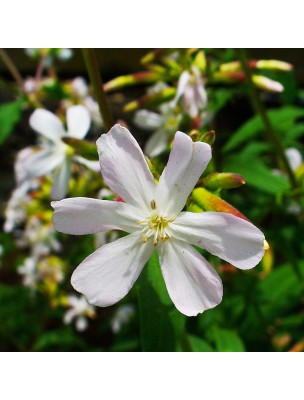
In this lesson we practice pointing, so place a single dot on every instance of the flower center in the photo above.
(157, 226)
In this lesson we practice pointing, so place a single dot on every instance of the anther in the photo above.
(153, 204)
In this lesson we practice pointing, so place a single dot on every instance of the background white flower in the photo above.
(79, 311)
(192, 91)
(152, 216)
(54, 155)
(164, 125)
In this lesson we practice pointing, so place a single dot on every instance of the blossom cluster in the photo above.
(116, 188)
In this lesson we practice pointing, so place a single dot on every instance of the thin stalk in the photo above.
(95, 78)
(12, 68)
(271, 135)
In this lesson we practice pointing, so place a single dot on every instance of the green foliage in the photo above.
(162, 324)
(10, 114)
(282, 119)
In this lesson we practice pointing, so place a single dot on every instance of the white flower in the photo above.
(164, 124)
(29, 272)
(15, 212)
(121, 317)
(55, 155)
(294, 157)
(79, 310)
(153, 218)
(192, 91)
(40, 237)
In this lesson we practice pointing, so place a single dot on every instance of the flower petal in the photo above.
(47, 124)
(124, 167)
(82, 216)
(40, 163)
(61, 180)
(186, 163)
(193, 285)
(224, 235)
(107, 275)
(182, 85)
(294, 158)
(157, 143)
(78, 121)
(148, 119)
(90, 164)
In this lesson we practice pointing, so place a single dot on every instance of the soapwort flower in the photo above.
(191, 90)
(54, 154)
(152, 215)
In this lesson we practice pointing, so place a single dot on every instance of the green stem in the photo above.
(12, 68)
(258, 106)
(95, 78)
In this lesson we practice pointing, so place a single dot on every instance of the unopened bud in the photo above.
(267, 260)
(223, 180)
(230, 67)
(274, 65)
(210, 202)
(208, 137)
(200, 61)
(264, 83)
(229, 76)
(195, 135)
(152, 99)
(133, 79)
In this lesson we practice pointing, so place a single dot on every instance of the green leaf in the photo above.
(282, 120)
(10, 114)
(227, 340)
(198, 344)
(59, 340)
(282, 289)
(256, 174)
(161, 324)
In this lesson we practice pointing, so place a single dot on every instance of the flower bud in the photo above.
(274, 65)
(264, 83)
(228, 76)
(232, 66)
(267, 261)
(150, 100)
(210, 202)
(208, 137)
(200, 61)
(133, 79)
(223, 180)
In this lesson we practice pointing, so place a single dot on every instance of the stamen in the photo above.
(156, 227)
(153, 204)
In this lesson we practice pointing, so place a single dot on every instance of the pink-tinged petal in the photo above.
(186, 163)
(82, 216)
(107, 275)
(192, 283)
(148, 120)
(78, 121)
(224, 235)
(190, 102)
(47, 124)
(124, 167)
(183, 82)
(40, 163)
(61, 180)
(157, 143)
